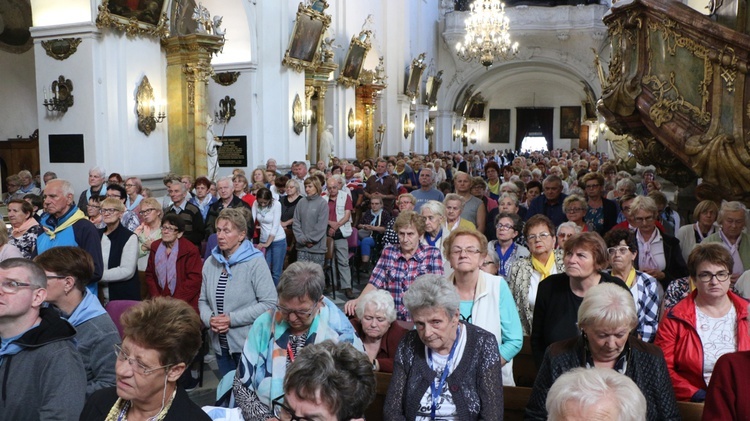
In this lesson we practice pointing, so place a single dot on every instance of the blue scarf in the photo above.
(244, 252)
(89, 308)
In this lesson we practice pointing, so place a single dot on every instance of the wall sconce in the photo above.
(473, 137)
(429, 128)
(61, 99)
(408, 126)
(352, 124)
(149, 111)
(298, 115)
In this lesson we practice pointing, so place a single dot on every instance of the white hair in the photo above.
(383, 302)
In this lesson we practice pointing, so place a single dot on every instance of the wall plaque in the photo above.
(66, 148)
(233, 153)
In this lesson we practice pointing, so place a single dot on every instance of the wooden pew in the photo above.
(514, 401)
(375, 410)
(690, 411)
(524, 368)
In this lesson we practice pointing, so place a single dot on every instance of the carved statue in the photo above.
(326, 144)
(213, 143)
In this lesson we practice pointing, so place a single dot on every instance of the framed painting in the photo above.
(432, 88)
(135, 17)
(474, 110)
(309, 30)
(355, 59)
(415, 76)
(499, 126)
(570, 122)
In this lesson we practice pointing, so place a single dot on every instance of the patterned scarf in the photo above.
(646, 259)
(166, 266)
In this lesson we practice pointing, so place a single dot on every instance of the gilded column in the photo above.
(321, 119)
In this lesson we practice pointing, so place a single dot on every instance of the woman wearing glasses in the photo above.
(120, 255)
(574, 208)
(710, 322)
(486, 300)
(528, 272)
(565, 231)
(601, 213)
(149, 230)
(507, 228)
(160, 337)
(237, 288)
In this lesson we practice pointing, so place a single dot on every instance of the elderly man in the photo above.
(400, 264)
(227, 199)
(550, 202)
(427, 191)
(382, 185)
(188, 212)
(27, 183)
(732, 223)
(271, 166)
(299, 174)
(340, 228)
(43, 374)
(66, 225)
(96, 188)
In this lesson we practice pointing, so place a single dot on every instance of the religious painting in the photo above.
(135, 17)
(355, 59)
(570, 122)
(15, 21)
(499, 126)
(309, 30)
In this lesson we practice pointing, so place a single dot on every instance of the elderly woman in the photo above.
(427, 381)
(601, 214)
(710, 322)
(267, 213)
(376, 313)
(585, 394)
(574, 207)
(303, 316)
(434, 225)
(528, 272)
(94, 211)
(454, 206)
(161, 336)
(405, 202)
(732, 236)
(659, 254)
(202, 198)
(174, 264)
(606, 317)
(311, 224)
(693, 234)
(510, 203)
(559, 296)
(565, 231)
(237, 288)
(24, 228)
(68, 270)
(623, 251)
(372, 227)
(533, 190)
(486, 300)
(149, 230)
(120, 255)
(507, 226)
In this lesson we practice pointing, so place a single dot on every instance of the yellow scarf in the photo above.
(494, 189)
(631, 278)
(78, 215)
(541, 268)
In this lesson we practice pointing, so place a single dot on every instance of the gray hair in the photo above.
(510, 196)
(226, 178)
(586, 387)
(730, 207)
(429, 291)
(434, 174)
(302, 279)
(644, 203)
(573, 198)
(383, 302)
(454, 197)
(576, 228)
(340, 178)
(98, 169)
(626, 184)
(36, 275)
(435, 207)
(607, 305)
(65, 187)
(536, 171)
(552, 179)
(509, 184)
(24, 173)
(235, 216)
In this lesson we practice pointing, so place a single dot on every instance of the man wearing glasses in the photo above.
(43, 375)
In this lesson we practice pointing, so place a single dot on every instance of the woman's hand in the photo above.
(350, 307)
(220, 323)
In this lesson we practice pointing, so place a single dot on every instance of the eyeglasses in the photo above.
(285, 413)
(145, 212)
(542, 236)
(469, 250)
(12, 287)
(135, 364)
(301, 314)
(592, 186)
(706, 277)
(487, 263)
(108, 211)
(646, 219)
(168, 228)
(618, 250)
(576, 210)
(564, 236)
(502, 227)
(93, 206)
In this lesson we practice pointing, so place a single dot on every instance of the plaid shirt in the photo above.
(395, 274)
(647, 300)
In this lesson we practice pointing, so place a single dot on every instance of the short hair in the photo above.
(492, 165)
(175, 220)
(241, 178)
(625, 197)
(433, 177)
(24, 174)
(731, 207)
(594, 176)
(26, 207)
(280, 182)
(167, 325)
(585, 387)
(659, 198)
(508, 184)
(714, 253)
(435, 207)
(37, 277)
(111, 202)
(383, 302)
(150, 201)
(313, 181)
(302, 279)
(234, 216)
(432, 291)
(511, 196)
(137, 183)
(471, 232)
(337, 374)
(626, 184)
(573, 198)
(51, 174)
(609, 306)
(65, 187)
(536, 220)
(453, 197)
(592, 242)
(120, 189)
(478, 182)
(613, 238)
(99, 170)
(410, 196)
(572, 225)
(517, 221)
(409, 218)
(117, 177)
(532, 184)
(643, 203)
(68, 261)
(703, 207)
(289, 183)
(552, 179)
(204, 181)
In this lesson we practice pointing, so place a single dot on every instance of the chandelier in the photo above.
(487, 34)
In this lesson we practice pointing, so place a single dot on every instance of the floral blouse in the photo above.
(26, 243)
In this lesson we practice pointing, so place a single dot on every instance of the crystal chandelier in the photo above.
(487, 34)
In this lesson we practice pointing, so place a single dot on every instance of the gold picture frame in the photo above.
(355, 59)
(148, 18)
(310, 26)
(432, 88)
(415, 76)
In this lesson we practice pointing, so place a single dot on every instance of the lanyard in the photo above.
(289, 351)
(435, 391)
(504, 256)
(431, 241)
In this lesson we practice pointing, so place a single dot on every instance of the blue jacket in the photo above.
(553, 212)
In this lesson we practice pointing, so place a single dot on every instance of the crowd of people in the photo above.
(466, 255)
